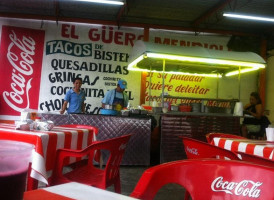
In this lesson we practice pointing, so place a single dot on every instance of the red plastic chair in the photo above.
(209, 179)
(210, 136)
(256, 159)
(90, 174)
(198, 149)
(97, 157)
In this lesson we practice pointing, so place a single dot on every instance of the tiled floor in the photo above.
(130, 175)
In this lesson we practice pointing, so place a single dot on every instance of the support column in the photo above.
(262, 80)
(144, 74)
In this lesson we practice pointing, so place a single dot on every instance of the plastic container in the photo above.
(38, 119)
(135, 111)
(165, 110)
(196, 107)
(14, 164)
(154, 103)
(185, 108)
(147, 107)
(125, 112)
(108, 112)
(174, 108)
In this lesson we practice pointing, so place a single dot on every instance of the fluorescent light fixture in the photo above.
(249, 17)
(197, 61)
(131, 68)
(205, 60)
(252, 66)
(104, 2)
(241, 71)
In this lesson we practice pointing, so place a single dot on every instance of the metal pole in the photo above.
(163, 81)
(217, 95)
(149, 92)
(239, 83)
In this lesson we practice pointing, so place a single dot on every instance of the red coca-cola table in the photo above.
(260, 148)
(46, 143)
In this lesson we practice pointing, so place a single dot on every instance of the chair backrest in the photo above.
(115, 146)
(210, 136)
(95, 129)
(256, 159)
(209, 179)
(198, 149)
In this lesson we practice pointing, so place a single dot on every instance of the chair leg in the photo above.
(117, 186)
(186, 195)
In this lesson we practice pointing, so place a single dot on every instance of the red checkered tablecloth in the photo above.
(46, 143)
(254, 147)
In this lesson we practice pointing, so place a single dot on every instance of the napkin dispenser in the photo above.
(269, 134)
(238, 109)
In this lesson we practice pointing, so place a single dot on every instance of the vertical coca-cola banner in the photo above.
(21, 56)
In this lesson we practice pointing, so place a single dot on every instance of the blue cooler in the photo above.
(108, 112)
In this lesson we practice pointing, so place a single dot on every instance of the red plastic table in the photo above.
(260, 148)
(46, 143)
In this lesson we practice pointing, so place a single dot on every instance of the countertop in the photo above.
(196, 114)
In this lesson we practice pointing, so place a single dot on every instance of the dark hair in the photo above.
(256, 96)
(75, 79)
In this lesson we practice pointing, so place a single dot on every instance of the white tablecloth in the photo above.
(74, 190)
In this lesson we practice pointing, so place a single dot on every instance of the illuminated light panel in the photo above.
(104, 2)
(130, 66)
(249, 17)
(140, 58)
(150, 57)
(205, 60)
(241, 71)
(253, 66)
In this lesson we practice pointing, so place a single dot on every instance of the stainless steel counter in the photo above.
(138, 149)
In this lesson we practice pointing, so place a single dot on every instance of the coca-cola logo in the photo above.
(192, 150)
(19, 55)
(243, 188)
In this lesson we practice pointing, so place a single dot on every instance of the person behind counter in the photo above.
(117, 98)
(255, 120)
(75, 97)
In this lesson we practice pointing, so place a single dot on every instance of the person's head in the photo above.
(77, 82)
(255, 98)
(121, 85)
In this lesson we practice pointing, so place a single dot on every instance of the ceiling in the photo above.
(188, 15)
